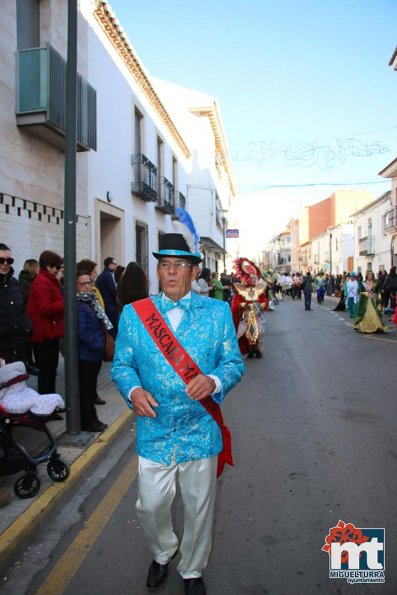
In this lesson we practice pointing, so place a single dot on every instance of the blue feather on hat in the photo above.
(188, 230)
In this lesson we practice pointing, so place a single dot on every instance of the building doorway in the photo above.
(109, 233)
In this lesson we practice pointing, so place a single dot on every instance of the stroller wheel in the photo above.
(58, 470)
(27, 485)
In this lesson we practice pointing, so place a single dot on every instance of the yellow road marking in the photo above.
(67, 566)
(16, 534)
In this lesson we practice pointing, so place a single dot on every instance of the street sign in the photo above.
(232, 233)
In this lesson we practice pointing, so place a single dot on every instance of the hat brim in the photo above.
(178, 254)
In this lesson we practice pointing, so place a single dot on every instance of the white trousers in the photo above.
(157, 488)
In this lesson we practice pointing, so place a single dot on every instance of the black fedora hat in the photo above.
(174, 244)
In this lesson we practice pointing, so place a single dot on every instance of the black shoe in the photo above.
(194, 586)
(56, 417)
(32, 370)
(95, 426)
(99, 401)
(157, 574)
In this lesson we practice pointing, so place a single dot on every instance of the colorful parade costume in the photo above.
(161, 349)
(207, 334)
(249, 303)
(368, 319)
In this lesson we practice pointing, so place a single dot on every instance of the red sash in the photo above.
(184, 366)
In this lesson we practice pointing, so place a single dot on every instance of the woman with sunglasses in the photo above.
(46, 310)
(15, 327)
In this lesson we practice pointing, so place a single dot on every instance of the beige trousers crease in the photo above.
(157, 489)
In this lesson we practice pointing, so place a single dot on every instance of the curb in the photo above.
(15, 537)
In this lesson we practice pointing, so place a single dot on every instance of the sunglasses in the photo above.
(6, 260)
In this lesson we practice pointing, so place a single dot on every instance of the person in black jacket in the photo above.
(25, 280)
(106, 284)
(307, 287)
(390, 289)
(15, 326)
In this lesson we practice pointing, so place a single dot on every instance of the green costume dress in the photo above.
(368, 318)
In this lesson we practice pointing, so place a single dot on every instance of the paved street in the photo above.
(314, 434)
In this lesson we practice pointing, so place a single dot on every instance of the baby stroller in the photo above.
(14, 456)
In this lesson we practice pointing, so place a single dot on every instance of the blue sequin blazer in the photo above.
(182, 427)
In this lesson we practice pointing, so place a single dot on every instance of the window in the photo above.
(138, 118)
(159, 158)
(174, 172)
(336, 244)
(359, 233)
(383, 225)
(28, 24)
(141, 245)
(369, 225)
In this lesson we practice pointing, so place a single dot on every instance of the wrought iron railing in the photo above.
(166, 197)
(145, 178)
(391, 219)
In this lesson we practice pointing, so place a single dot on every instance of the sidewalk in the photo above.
(20, 518)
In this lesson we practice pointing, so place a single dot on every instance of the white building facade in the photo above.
(135, 165)
(372, 246)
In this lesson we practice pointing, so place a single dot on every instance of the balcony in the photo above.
(145, 178)
(391, 220)
(41, 99)
(366, 246)
(166, 197)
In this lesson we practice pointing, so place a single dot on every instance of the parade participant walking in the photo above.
(176, 359)
(248, 305)
(368, 318)
(351, 292)
(307, 282)
(320, 288)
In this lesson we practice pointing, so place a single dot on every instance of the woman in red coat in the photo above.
(46, 308)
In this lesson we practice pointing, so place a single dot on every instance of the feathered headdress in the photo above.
(184, 225)
(246, 271)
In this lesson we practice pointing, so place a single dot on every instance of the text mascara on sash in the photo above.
(184, 366)
(180, 360)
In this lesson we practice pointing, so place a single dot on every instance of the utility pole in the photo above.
(224, 221)
(71, 357)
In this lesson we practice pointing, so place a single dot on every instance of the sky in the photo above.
(305, 90)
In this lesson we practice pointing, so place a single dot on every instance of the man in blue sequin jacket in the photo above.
(176, 437)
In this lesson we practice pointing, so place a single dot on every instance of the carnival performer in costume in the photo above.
(320, 283)
(176, 358)
(368, 318)
(248, 304)
(351, 292)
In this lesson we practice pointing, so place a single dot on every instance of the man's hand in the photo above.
(200, 387)
(143, 403)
